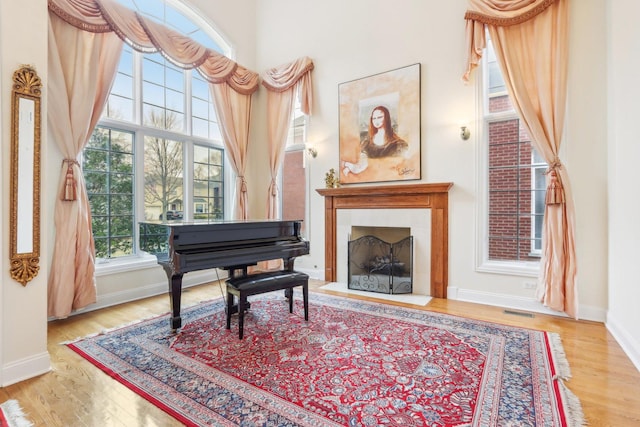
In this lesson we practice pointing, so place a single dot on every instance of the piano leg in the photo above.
(175, 293)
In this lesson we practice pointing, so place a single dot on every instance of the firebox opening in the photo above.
(380, 259)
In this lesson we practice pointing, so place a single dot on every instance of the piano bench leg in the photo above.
(291, 301)
(229, 309)
(241, 309)
(305, 300)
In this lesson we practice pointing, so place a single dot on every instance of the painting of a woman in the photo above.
(381, 140)
(379, 127)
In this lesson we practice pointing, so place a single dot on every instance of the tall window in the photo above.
(156, 153)
(515, 178)
(294, 172)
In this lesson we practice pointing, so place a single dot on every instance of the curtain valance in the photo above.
(503, 13)
(498, 13)
(145, 35)
(286, 76)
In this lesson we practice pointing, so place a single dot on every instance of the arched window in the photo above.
(157, 152)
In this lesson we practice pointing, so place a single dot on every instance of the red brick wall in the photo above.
(294, 185)
(510, 219)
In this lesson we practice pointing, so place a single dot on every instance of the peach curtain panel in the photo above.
(233, 110)
(82, 67)
(85, 42)
(283, 83)
(531, 43)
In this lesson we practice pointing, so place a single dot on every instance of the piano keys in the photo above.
(183, 246)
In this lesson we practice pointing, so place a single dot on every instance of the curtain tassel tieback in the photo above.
(70, 192)
(243, 184)
(555, 191)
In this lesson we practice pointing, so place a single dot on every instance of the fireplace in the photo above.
(380, 259)
(418, 197)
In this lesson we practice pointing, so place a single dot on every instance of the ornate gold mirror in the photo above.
(24, 250)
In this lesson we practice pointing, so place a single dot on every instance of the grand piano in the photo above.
(183, 246)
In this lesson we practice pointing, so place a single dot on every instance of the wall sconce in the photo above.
(312, 151)
(465, 133)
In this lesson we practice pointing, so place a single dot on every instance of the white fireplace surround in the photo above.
(417, 220)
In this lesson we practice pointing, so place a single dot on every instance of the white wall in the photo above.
(624, 174)
(354, 39)
(23, 310)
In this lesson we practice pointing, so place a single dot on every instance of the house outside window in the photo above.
(514, 183)
(157, 152)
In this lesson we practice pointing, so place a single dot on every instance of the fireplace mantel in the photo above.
(418, 196)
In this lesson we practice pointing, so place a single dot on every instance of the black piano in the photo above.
(182, 246)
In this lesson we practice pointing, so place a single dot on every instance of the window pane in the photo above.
(204, 123)
(199, 128)
(516, 195)
(120, 101)
(119, 108)
(496, 82)
(214, 132)
(163, 172)
(208, 190)
(200, 108)
(153, 94)
(294, 184)
(516, 188)
(108, 171)
(153, 116)
(174, 78)
(163, 94)
(175, 101)
(297, 127)
(153, 69)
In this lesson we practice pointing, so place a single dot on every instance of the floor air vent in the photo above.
(518, 313)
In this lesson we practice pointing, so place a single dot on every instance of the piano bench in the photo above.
(260, 283)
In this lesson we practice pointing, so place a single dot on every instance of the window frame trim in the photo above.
(482, 262)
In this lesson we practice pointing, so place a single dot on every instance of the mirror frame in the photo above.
(25, 265)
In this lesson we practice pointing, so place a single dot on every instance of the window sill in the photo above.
(527, 269)
(105, 266)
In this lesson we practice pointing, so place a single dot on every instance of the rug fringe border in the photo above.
(14, 414)
(570, 402)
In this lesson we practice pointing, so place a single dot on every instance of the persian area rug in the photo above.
(354, 363)
(11, 415)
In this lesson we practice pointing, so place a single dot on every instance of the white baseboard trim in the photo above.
(312, 273)
(521, 303)
(26, 368)
(629, 345)
(114, 298)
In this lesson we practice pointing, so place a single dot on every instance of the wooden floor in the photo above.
(75, 393)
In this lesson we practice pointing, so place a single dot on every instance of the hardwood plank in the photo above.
(76, 393)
